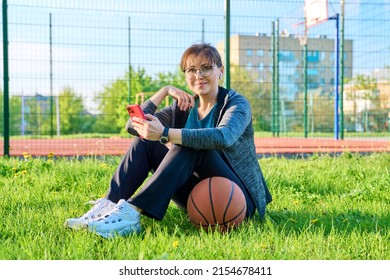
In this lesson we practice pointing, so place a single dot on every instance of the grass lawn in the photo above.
(324, 208)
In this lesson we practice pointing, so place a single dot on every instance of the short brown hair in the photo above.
(206, 49)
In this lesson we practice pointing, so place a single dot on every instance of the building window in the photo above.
(249, 66)
(260, 52)
(313, 56)
(260, 67)
(286, 56)
(249, 52)
(312, 71)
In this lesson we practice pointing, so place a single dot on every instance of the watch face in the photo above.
(164, 137)
(163, 140)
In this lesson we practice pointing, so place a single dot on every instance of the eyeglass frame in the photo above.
(193, 74)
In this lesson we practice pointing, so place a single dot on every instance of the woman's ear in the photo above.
(221, 74)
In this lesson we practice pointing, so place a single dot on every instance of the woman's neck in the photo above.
(206, 102)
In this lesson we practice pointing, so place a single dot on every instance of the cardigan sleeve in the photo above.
(232, 123)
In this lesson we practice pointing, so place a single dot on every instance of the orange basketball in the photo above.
(216, 202)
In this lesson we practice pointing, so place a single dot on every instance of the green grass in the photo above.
(324, 208)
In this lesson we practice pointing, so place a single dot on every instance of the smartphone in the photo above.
(135, 111)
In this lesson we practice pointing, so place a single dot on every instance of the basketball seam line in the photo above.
(229, 201)
(193, 203)
(242, 210)
(211, 201)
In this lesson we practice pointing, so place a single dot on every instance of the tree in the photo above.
(321, 114)
(176, 79)
(366, 91)
(15, 115)
(245, 82)
(115, 96)
(72, 113)
(15, 120)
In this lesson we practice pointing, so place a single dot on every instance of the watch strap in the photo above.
(164, 137)
(165, 131)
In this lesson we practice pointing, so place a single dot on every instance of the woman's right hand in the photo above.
(185, 100)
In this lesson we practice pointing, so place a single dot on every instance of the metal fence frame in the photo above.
(339, 79)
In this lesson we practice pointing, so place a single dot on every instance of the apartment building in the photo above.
(256, 55)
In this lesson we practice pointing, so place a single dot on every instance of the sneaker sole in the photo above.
(126, 231)
(75, 226)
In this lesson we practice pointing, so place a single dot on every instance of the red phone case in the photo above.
(135, 111)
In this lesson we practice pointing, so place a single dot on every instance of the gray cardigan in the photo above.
(233, 134)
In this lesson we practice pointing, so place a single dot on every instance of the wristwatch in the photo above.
(164, 137)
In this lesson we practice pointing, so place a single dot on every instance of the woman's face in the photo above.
(202, 76)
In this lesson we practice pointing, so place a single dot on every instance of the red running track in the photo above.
(118, 146)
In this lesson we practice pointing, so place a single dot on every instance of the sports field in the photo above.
(325, 207)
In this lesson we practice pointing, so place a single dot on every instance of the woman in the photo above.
(211, 135)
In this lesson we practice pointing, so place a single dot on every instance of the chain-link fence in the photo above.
(73, 66)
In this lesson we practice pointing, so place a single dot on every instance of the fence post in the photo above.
(305, 87)
(227, 44)
(6, 79)
(129, 81)
(277, 79)
(336, 82)
(342, 72)
(51, 79)
(273, 81)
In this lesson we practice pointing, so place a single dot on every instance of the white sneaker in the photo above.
(100, 209)
(123, 220)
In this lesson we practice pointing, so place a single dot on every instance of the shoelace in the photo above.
(93, 202)
(114, 215)
(98, 206)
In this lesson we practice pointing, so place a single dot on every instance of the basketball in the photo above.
(216, 203)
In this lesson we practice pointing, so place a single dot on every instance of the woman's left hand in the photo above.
(150, 129)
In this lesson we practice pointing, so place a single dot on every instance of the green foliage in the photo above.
(40, 114)
(115, 96)
(112, 105)
(176, 79)
(15, 115)
(320, 112)
(366, 83)
(324, 208)
(73, 117)
(37, 115)
(245, 83)
(366, 89)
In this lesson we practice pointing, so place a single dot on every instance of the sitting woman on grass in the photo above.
(211, 134)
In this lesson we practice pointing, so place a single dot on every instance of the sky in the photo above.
(93, 42)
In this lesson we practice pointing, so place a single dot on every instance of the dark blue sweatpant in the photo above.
(175, 173)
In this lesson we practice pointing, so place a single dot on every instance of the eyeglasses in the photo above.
(205, 71)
